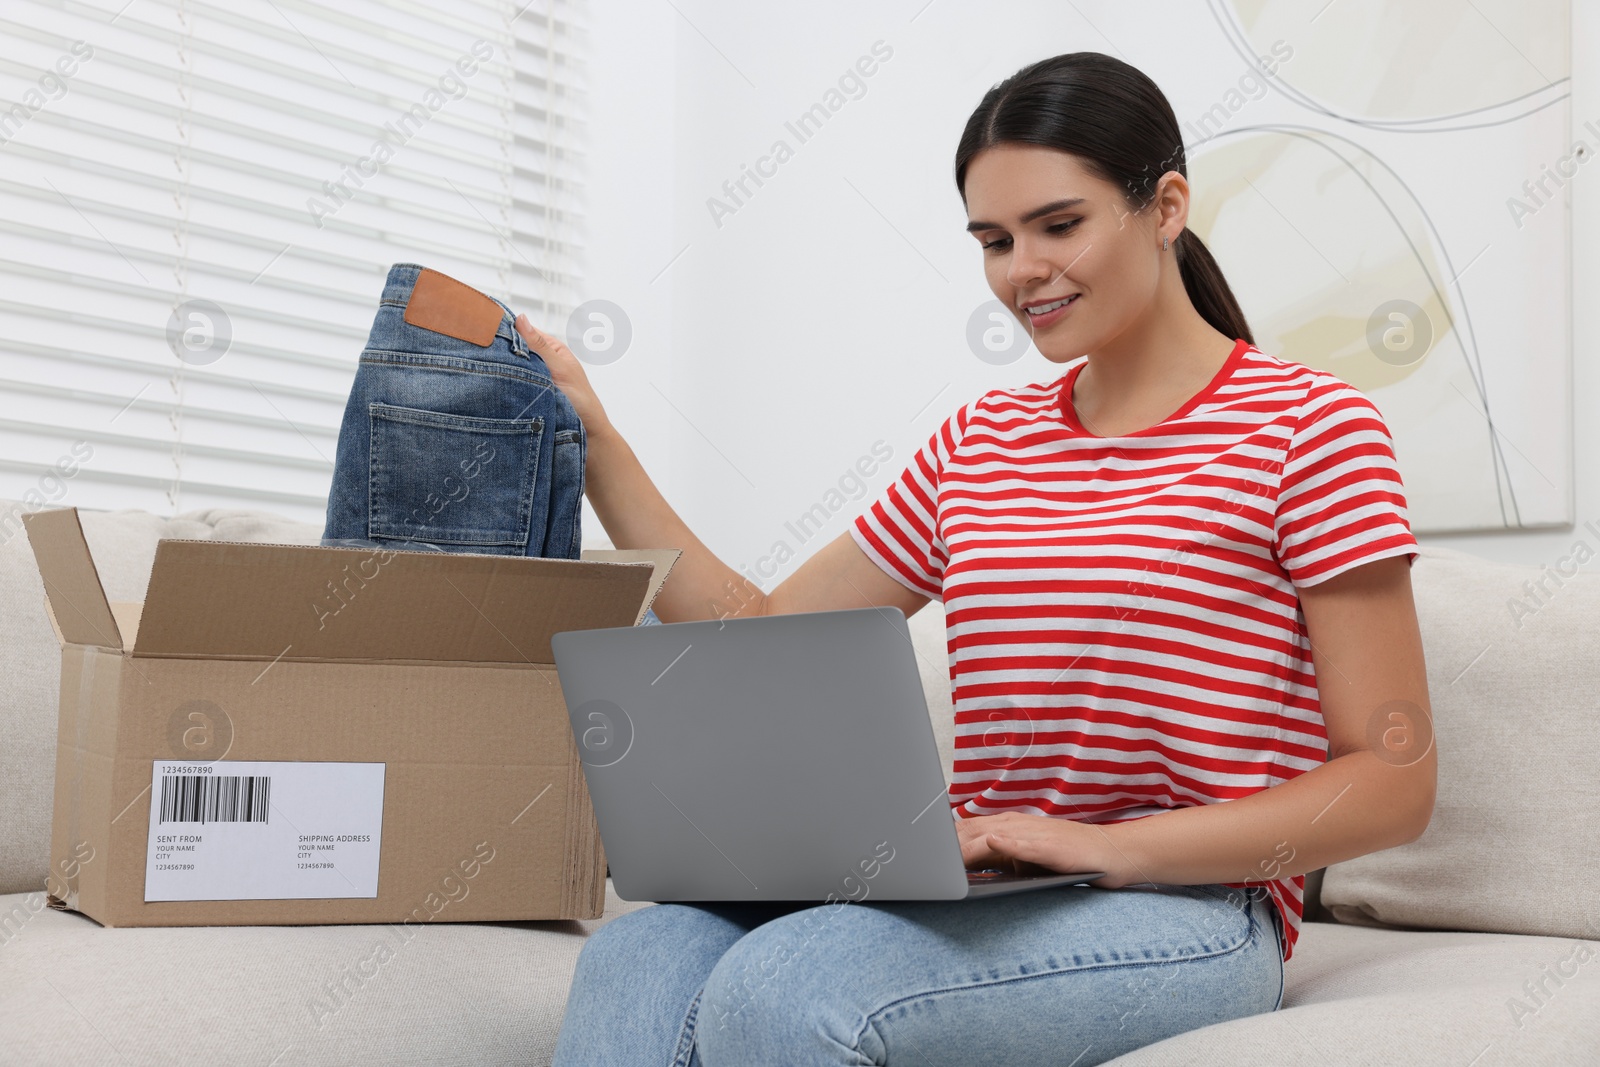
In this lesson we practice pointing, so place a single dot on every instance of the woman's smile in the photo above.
(1042, 315)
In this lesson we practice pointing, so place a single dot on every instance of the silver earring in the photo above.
(1163, 244)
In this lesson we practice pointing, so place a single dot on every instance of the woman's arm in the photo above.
(636, 515)
(1376, 791)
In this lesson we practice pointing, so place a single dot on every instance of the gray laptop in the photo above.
(783, 757)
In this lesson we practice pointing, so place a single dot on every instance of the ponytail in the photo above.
(1208, 289)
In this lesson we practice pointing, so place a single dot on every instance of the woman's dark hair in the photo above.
(1119, 123)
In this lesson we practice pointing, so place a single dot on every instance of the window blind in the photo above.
(199, 202)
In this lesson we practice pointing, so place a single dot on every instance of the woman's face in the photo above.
(1050, 230)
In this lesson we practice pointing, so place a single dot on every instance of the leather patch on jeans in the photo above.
(442, 304)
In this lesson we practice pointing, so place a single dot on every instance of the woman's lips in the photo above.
(1039, 322)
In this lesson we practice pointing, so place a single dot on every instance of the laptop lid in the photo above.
(782, 757)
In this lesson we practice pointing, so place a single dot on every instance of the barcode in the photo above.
(203, 798)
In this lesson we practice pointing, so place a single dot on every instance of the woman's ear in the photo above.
(1172, 201)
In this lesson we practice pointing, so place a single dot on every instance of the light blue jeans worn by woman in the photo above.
(1073, 975)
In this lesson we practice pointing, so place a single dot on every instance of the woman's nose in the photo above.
(1027, 269)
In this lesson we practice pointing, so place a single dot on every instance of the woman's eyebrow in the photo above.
(1038, 212)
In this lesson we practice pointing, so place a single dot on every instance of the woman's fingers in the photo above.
(565, 370)
(541, 342)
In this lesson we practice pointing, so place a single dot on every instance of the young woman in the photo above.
(1182, 639)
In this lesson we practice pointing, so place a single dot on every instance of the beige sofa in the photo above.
(1503, 890)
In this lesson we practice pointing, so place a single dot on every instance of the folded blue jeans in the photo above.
(1072, 975)
(454, 436)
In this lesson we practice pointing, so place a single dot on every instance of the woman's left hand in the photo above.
(1039, 844)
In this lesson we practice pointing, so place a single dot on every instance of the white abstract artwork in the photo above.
(1385, 183)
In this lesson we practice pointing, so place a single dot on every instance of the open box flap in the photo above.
(71, 583)
(663, 558)
(219, 599)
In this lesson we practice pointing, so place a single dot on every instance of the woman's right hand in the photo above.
(567, 372)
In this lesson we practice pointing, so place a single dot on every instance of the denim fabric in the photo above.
(1076, 975)
(449, 445)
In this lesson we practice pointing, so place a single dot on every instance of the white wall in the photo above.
(829, 311)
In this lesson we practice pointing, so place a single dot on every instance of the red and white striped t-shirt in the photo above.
(1125, 634)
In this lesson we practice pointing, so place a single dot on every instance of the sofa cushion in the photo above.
(1424, 999)
(1516, 826)
(72, 991)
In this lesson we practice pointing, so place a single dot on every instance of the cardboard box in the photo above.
(380, 735)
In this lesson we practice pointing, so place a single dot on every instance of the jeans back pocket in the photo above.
(452, 479)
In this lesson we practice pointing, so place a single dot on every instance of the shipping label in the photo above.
(263, 830)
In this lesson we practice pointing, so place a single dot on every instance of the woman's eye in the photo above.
(1000, 244)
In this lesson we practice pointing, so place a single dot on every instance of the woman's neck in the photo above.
(1147, 373)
